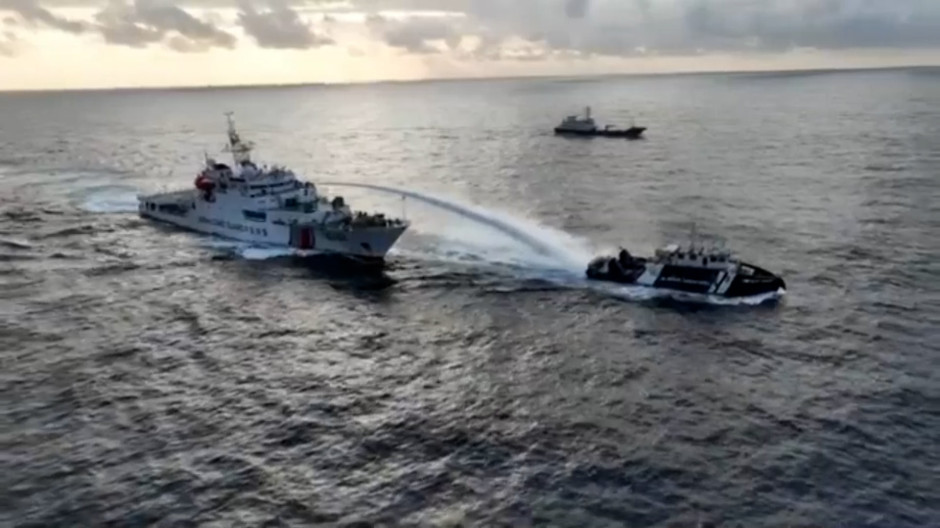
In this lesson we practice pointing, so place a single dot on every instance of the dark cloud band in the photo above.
(572, 28)
(279, 27)
(140, 23)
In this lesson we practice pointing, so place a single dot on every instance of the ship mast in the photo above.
(240, 149)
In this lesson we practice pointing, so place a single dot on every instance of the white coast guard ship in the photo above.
(270, 206)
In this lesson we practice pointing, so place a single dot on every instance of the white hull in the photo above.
(270, 206)
(279, 228)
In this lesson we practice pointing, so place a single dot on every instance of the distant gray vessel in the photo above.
(586, 126)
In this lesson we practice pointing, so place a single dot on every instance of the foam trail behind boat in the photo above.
(106, 198)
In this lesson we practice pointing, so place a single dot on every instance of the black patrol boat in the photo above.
(690, 269)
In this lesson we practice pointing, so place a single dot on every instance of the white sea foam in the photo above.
(108, 199)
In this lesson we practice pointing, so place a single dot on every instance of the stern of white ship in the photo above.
(173, 207)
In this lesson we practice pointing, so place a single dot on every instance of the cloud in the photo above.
(7, 44)
(438, 6)
(825, 24)
(168, 18)
(417, 34)
(185, 45)
(118, 24)
(279, 27)
(672, 27)
(135, 24)
(33, 13)
(576, 8)
(144, 22)
(504, 29)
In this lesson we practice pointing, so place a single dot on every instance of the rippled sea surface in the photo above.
(155, 377)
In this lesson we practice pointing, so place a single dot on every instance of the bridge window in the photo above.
(255, 216)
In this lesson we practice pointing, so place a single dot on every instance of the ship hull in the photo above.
(729, 283)
(188, 210)
(629, 133)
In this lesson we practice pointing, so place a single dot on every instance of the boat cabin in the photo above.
(697, 257)
(271, 188)
(578, 123)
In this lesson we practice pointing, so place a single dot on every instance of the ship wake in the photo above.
(110, 198)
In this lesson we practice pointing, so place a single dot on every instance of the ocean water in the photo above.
(156, 377)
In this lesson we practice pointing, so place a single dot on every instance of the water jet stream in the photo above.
(524, 234)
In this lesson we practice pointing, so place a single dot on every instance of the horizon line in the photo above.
(311, 84)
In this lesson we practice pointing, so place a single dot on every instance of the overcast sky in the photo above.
(84, 43)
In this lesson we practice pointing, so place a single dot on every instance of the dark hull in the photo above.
(629, 133)
(340, 263)
(696, 280)
(745, 286)
(627, 277)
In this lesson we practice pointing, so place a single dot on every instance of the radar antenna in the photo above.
(241, 150)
